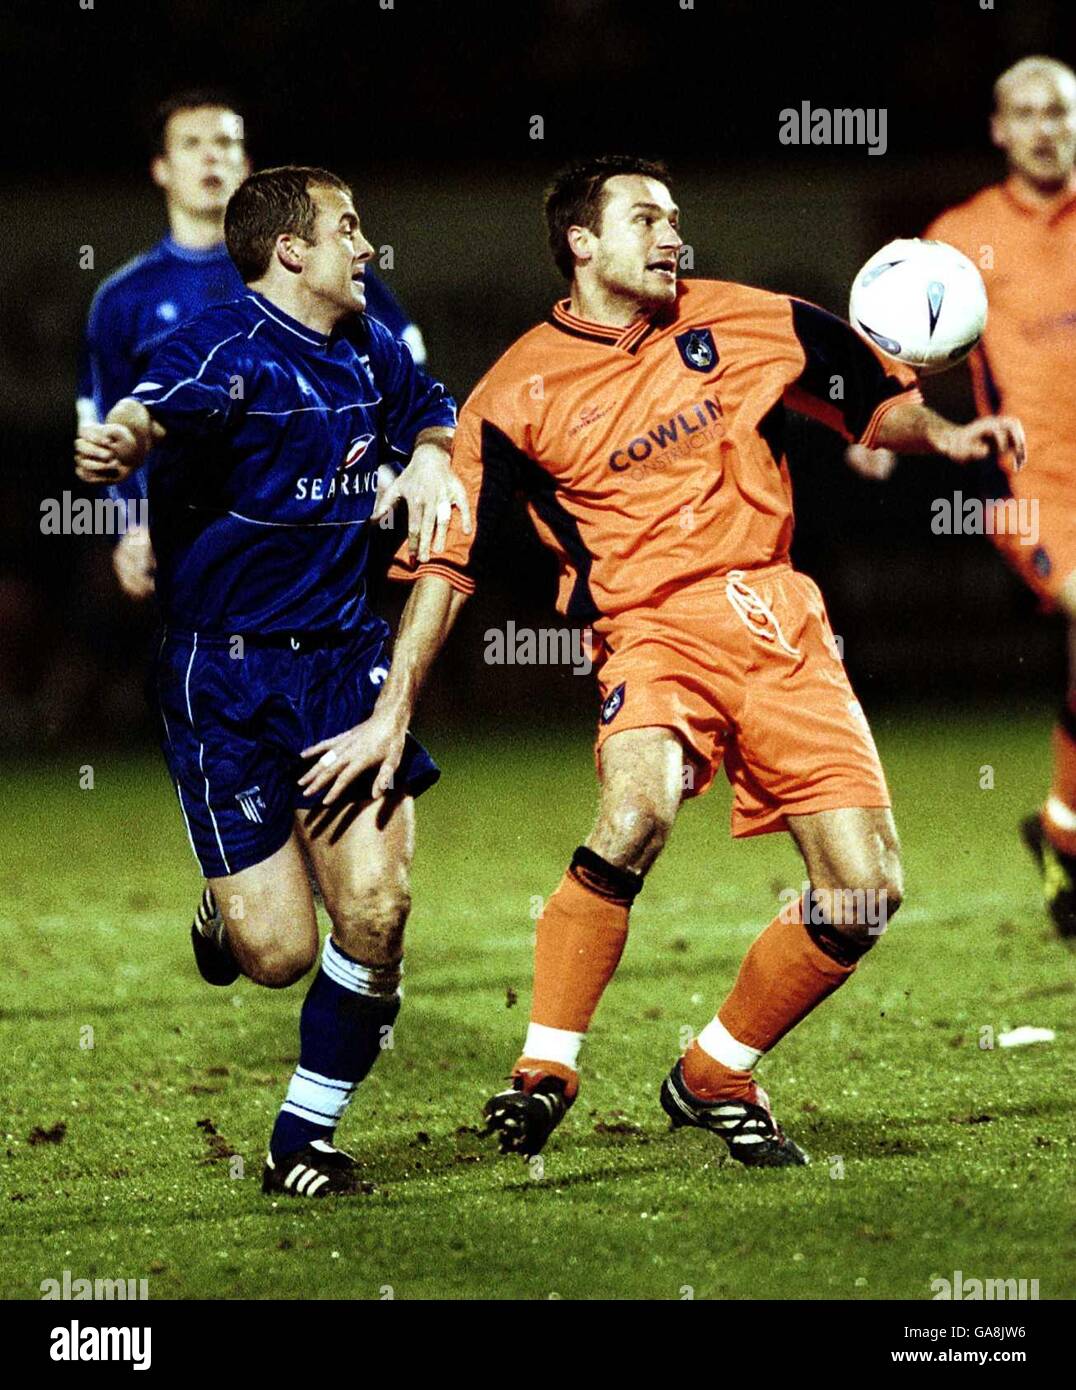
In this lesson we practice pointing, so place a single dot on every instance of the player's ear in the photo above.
(580, 241)
(288, 250)
(158, 171)
(998, 133)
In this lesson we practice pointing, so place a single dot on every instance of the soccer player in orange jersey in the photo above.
(1022, 235)
(643, 421)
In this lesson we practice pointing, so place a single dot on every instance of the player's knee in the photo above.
(847, 919)
(635, 830)
(369, 921)
(279, 963)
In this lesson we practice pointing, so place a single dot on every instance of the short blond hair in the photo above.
(1035, 66)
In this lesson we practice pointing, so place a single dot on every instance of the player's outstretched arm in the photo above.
(913, 428)
(378, 742)
(430, 489)
(110, 452)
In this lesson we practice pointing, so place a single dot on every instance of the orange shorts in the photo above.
(745, 670)
(1035, 530)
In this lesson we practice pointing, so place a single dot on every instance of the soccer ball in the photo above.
(921, 302)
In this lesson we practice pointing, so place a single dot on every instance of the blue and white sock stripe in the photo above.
(377, 982)
(312, 1117)
(321, 1100)
(307, 1075)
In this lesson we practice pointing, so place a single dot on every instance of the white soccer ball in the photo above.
(922, 302)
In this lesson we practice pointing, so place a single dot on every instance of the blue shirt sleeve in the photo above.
(191, 385)
(412, 401)
(106, 367)
(382, 304)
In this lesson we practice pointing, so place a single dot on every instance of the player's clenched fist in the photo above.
(106, 453)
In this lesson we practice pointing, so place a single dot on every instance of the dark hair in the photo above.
(268, 203)
(193, 99)
(576, 198)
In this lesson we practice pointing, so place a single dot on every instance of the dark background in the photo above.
(427, 108)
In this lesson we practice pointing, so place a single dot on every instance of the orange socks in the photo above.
(784, 975)
(580, 939)
(1059, 813)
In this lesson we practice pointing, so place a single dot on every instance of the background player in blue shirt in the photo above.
(199, 161)
(273, 676)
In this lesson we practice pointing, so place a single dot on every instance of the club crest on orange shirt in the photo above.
(612, 704)
(697, 349)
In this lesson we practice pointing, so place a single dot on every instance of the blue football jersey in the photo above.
(135, 310)
(261, 492)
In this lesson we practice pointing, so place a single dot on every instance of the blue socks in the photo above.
(346, 1020)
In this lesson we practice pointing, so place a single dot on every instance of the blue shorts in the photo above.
(233, 729)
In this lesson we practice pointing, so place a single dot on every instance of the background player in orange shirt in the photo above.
(1022, 235)
(643, 423)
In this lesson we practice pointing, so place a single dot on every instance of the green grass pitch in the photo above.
(931, 1153)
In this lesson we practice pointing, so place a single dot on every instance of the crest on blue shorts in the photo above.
(612, 704)
(252, 804)
(697, 349)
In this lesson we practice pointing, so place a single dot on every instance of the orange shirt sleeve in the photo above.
(484, 458)
(844, 383)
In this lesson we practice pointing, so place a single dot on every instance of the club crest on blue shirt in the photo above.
(697, 349)
(356, 449)
(613, 704)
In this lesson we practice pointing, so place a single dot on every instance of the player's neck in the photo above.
(597, 304)
(290, 296)
(195, 232)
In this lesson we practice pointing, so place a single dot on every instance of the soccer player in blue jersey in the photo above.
(283, 724)
(199, 161)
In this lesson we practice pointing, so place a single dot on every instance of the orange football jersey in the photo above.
(652, 456)
(1025, 249)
